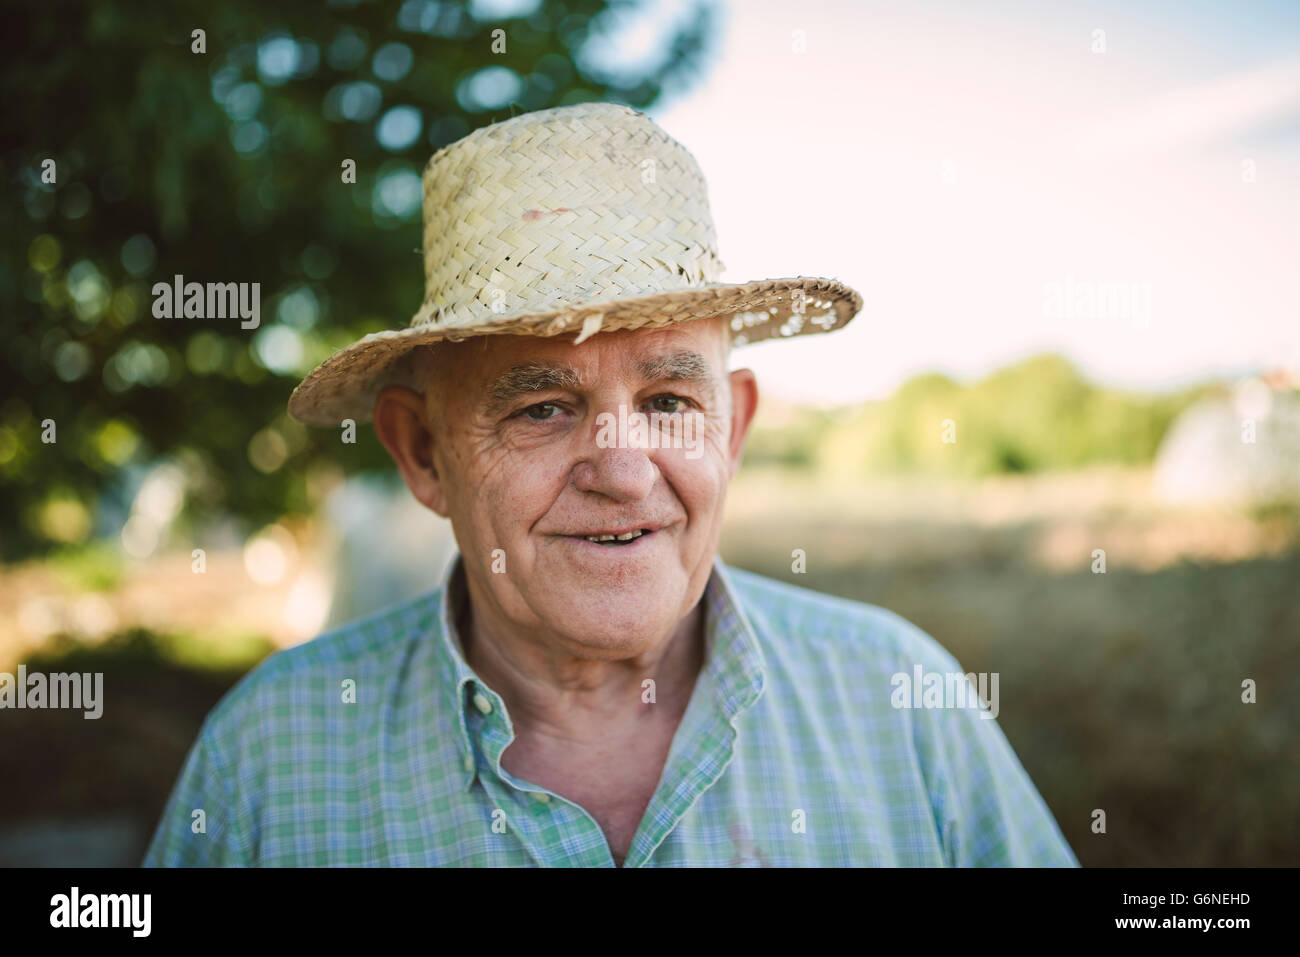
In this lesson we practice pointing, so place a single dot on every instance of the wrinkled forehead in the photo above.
(495, 368)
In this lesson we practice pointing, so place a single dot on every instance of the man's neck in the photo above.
(583, 701)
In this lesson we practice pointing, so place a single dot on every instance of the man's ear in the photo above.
(744, 403)
(401, 425)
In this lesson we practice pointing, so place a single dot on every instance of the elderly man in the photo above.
(589, 685)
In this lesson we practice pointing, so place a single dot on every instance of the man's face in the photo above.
(521, 460)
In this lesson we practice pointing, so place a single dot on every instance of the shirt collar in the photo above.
(733, 655)
(455, 671)
(733, 658)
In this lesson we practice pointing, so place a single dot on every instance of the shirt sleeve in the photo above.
(988, 812)
(185, 838)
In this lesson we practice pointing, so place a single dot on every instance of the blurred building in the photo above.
(388, 547)
(1237, 449)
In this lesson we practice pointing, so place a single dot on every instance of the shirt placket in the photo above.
(702, 748)
(704, 744)
(555, 831)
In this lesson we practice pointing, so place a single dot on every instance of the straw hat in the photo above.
(570, 220)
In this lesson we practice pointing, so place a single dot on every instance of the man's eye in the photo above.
(542, 411)
(667, 403)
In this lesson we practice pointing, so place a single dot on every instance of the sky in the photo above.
(974, 169)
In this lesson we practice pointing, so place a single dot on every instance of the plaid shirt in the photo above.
(790, 753)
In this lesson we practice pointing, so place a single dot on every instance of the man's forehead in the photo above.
(678, 363)
(547, 372)
(649, 353)
(623, 346)
(495, 370)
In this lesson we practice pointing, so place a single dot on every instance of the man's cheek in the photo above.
(514, 503)
(715, 436)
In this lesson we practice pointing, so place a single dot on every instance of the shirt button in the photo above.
(469, 762)
(482, 703)
(543, 798)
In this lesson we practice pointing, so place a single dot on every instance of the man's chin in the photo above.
(612, 598)
(611, 629)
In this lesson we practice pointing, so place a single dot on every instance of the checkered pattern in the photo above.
(789, 754)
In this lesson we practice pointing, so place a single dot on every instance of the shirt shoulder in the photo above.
(796, 617)
(350, 663)
(856, 659)
(267, 750)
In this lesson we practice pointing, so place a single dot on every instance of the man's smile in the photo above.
(606, 538)
(614, 534)
(614, 537)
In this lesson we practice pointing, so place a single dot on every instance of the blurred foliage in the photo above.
(94, 567)
(224, 166)
(1036, 415)
(792, 441)
(143, 651)
(158, 688)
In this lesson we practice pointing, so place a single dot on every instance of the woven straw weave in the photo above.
(568, 220)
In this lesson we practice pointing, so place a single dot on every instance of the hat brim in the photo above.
(345, 385)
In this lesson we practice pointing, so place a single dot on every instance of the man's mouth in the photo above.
(616, 539)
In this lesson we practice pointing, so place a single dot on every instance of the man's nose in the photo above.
(625, 475)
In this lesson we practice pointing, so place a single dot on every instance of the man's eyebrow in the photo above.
(541, 376)
(679, 366)
(529, 377)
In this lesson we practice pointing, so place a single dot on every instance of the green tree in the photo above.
(224, 165)
(1034, 415)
